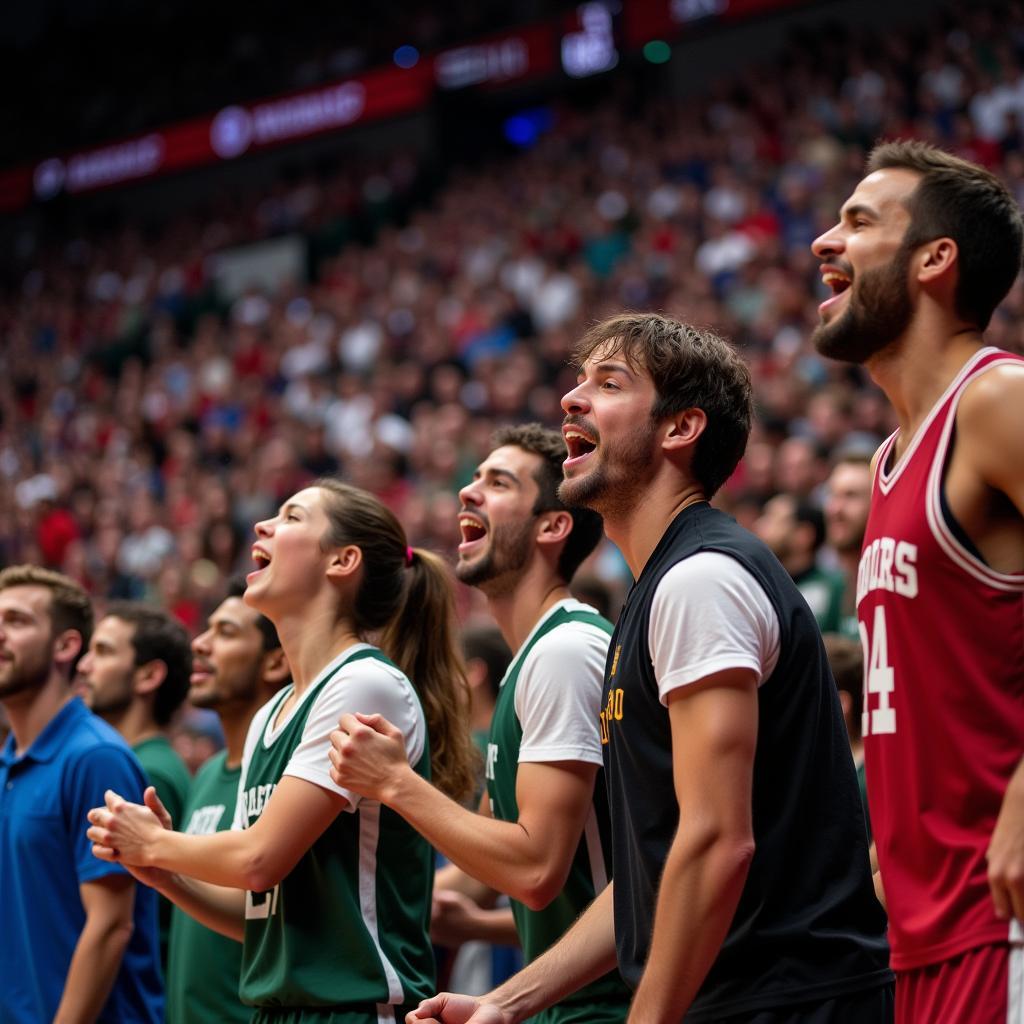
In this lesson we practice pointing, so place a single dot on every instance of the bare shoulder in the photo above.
(990, 421)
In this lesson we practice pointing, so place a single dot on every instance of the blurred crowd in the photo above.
(146, 423)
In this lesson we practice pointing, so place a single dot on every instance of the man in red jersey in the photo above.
(924, 250)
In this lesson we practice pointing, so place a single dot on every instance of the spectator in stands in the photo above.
(79, 938)
(135, 676)
(795, 531)
(848, 497)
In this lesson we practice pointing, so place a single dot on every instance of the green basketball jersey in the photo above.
(607, 999)
(347, 929)
(203, 966)
(167, 773)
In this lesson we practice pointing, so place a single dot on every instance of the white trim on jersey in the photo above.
(385, 1014)
(944, 536)
(1015, 976)
(595, 852)
(887, 481)
(369, 834)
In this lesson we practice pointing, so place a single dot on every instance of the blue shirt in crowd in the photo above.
(45, 856)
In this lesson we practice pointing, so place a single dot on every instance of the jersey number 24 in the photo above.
(879, 679)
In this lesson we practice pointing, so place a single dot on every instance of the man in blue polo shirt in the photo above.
(79, 939)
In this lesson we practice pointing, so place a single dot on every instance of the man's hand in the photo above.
(155, 878)
(367, 753)
(1006, 853)
(125, 832)
(448, 1008)
(452, 918)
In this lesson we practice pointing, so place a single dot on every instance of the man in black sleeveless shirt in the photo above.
(742, 890)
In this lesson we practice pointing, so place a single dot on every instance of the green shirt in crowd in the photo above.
(167, 773)
(548, 710)
(204, 967)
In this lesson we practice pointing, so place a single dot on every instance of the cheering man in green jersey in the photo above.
(543, 835)
(135, 676)
(237, 666)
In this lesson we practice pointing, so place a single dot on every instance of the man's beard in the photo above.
(498, 570)
(613, 487)
(217, 697)
(875, 316)
(109, 704)
(28, 674)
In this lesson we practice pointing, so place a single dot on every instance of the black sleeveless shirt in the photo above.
(808, 925)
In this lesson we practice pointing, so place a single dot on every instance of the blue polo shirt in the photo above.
(45, 856)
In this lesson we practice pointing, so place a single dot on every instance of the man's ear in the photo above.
(274, 668)
(344, 562)
(67, 647)
(683, 429)
(147, 678)
(553, 526)
(936, 259)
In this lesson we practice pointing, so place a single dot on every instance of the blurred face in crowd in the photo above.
(107, 669)
(227, 657)
(26, 639)
(776, 525)
(290, 560)
(866, 265)
(497, 518)
(847, 505)
(609, 434)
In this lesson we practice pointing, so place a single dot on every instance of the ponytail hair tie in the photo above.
(408, 557)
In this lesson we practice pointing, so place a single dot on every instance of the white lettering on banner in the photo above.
(888, 564)
(115, 163)
(312, 112)
(235, 129)
(488, 62)
(108, 166)
(591, 50)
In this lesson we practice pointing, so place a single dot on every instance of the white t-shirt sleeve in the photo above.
(368, 686)
(558, 695)
(710, 614)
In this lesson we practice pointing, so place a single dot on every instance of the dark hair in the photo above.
(962, 201)
(852, 457)
(412, 607)
(488, 645)
(549, 447)
(70, 607)
(805, 512)
(156, 636)
(271, 641)
(691, 368)
(846, 659)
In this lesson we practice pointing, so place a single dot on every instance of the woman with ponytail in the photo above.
(329, 892)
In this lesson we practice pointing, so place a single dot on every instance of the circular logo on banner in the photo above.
(48, 178)
(231, 132)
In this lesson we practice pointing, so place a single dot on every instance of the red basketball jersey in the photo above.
(943, 638)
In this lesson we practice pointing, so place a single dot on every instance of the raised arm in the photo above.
(256, 858)
(529, 859)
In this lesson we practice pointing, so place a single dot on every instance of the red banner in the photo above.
(229, 133)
